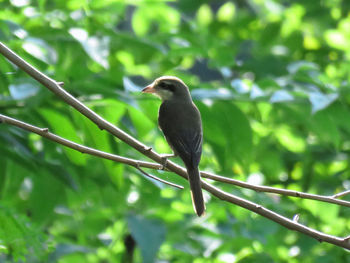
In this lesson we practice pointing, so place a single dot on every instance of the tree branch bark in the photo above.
(103, 124)
(44, 132)
(268, 189)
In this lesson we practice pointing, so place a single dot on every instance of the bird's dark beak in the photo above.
(149, 89)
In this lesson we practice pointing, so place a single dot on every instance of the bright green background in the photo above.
(271, 79)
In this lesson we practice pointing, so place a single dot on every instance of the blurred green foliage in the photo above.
(271, 79)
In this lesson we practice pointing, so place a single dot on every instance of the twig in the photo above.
(158, 179)
(341, 194)
(269, 189)
(100, 122)
(56, 88)
(44, 132)
(138, 164)
(284, 221)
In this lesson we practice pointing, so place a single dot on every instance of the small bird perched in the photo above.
(180, 121)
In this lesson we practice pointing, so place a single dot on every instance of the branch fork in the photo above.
(56, 88)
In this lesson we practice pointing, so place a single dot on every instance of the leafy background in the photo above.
(271, 79)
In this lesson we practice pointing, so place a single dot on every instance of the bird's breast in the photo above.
(177, 115)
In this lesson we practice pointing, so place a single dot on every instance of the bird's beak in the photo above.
(149, 89)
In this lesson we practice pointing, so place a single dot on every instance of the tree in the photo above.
(271, 86)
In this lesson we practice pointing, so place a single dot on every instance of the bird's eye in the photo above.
(162, 85)
(167, 86)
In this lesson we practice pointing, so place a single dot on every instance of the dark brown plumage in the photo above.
(180, 121)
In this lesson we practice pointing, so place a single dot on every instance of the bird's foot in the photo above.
(165, 160)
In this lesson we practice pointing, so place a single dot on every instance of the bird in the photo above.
(180, 121)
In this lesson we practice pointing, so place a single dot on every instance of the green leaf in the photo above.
(163, 15)
(324, 125)
(149, 235)
(289, 139)
(64, 128)
(227, 129)
(18, 236)
(320, 101)
(40, 50)
(59, 171)
(281, 96)
(226, 12)
(96, 47)
(204, 15)
(66, 249)
(23, 90)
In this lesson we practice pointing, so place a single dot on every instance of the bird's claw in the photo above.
(163, 164)
(165, 160)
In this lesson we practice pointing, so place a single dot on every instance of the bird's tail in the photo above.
(196, 190)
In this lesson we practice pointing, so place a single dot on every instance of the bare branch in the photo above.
(284, 221)
(44, 132)
(268, 189)
(55, 87)
(158, 179)
(103, 124)
(341, 194)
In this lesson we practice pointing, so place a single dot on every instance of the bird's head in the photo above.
(169, 88)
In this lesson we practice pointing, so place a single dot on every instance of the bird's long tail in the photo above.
(196, 190)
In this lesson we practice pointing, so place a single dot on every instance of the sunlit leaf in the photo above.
(226, 12)
(291, 141)
(281, 96)
(166, 17)
(256, 92)
(130, 86)
(204, 15)
(301, 66)
(23, 90)
(40, 49)
(63, 127)
(221, 93)
(240, 86)
(320, 101)
(96, 47)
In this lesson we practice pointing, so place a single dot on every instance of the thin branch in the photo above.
(103, 124)
(56, 88)
(284, 221)
(158, 179)
(341, 194)
(44, 132)
(138, 164)
(269, 189)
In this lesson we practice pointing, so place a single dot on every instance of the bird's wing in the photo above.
(183, 130)
(185, 143)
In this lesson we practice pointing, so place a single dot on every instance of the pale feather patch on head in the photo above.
(169, 80)
(176, 89)
(164, 94)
